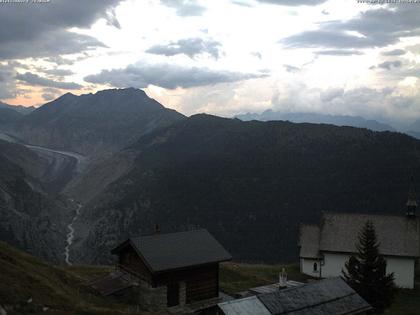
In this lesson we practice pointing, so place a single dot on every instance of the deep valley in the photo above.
(87, 186)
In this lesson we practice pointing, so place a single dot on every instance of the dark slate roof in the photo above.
(309, 241)
(162, 252)
(246, 306)
(397, 235)
(326, 297)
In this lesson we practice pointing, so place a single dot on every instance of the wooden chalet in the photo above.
(184, 264)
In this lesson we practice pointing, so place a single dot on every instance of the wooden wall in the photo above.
(201, 282)
(129, 260)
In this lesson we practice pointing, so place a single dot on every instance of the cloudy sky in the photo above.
(222, 57)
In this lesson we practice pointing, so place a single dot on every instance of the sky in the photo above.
(223, 57)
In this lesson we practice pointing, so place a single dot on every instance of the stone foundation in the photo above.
(182, 293)
(152, 297)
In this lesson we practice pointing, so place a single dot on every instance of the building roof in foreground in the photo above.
(274, 287)
(330, 296)
(246, 306)
(163, 252)
(326, 297)
(338, 232)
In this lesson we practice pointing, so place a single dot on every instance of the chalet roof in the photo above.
(309, 241)
(162, 252)
(273, 287)
(246, 306)
(397, 235)
(325, 297)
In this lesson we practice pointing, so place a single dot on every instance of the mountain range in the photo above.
(250, 183)
(315, 118)
(9, 117)
(24, 110)
(94, 124)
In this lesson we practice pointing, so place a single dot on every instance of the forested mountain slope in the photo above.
(250, 183)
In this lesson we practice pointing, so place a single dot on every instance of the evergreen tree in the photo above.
(366, 271)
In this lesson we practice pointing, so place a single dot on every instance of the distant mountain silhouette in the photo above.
(95, 123)
(315, 118)
(18, 108)
(414, 129)
(250, 183)
(8, 117)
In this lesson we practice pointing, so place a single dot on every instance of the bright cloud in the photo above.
(224, 57)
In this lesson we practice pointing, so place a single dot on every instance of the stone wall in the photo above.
(152, 297)
(182, 293)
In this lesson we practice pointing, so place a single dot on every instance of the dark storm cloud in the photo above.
(166, 76)
(388, 65)
(185, 7)
(48, 96)
(377, 28)
(58, 72)
(41, 30)
(293, 2)
(58, 60)
(190, 47)
(51, 90)
(34, 79)
(50, 43)
(395, 52)
(7, 82)
(338, 52)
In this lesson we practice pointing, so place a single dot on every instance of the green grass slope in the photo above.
(235, 277)
(28, 285)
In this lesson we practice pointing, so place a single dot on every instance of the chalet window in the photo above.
(315, 267)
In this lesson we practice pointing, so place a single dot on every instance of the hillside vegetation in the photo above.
(94, 123)
(30, 218)
(251, 184)
(28, 285)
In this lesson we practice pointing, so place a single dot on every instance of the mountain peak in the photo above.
(65, 122)
(123, 91)
(68, 95)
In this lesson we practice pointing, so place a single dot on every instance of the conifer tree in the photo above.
(365, 272)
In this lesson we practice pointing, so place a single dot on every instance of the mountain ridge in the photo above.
(92, 124)
(18, 108)
(309, 117)
(242, 179)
